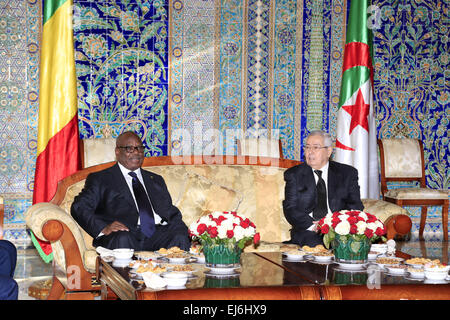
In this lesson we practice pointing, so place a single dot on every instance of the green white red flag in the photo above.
(356, 133)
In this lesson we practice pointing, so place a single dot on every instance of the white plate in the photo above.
(395, 271)
(432, 281)
(407, 277)
(294, 257)
(121, 263)
(415, 265)
(225, 271)
(147, 255)
(221, 275)
(373, 256)
(177, 260)
(199, 258)
(323, 258)
(352, 266)
(384, 265)
(381, 248)
(415, 275)
(436, 275)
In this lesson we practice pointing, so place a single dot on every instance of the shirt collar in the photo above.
(125, 171)
(324, 169)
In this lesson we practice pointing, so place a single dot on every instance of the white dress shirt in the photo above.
(129, 180)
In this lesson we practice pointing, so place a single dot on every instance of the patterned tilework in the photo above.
(412, 85)
(121, 57)
(288, 26)
(230, 62)
(193, 73)
(159, 66)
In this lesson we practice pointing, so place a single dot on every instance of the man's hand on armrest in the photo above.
(113, 227)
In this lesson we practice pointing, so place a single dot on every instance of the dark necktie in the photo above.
(145, 208)
(320, 210)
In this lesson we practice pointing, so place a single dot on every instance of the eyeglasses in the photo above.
(131, 149)
(313, 148)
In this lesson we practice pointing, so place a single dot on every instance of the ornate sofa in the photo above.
(253, 186)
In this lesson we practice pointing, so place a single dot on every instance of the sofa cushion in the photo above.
(202, 196)
(71, 193)
(416, 193)
(382, 209)
(262, 192)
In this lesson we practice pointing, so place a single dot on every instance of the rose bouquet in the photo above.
(224, 228)
(354, 224)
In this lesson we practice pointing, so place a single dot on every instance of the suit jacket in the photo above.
(301, 196)
(106, 198)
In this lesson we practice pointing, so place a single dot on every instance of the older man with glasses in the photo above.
(318, 187)
(125, 206)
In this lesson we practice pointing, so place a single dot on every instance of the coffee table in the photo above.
(270, 276)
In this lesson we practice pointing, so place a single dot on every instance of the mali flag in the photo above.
(57, 145)
(356, 131)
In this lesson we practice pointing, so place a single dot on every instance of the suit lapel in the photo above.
(119, 182)
(333, 180)
(150, 187)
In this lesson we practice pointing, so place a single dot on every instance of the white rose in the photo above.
(361, 225)
(343, 228)
(249, 232)
(216, 214)
(222, 232)
(379, 224)
(328, 219)
(239, 233)
(363, 215)
(372, 226)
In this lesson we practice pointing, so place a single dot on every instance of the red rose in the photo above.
(334, 222)
(353, 229)
(352, 220)
(220, 219)
(336, 214)
(230, 234)
(256, 238)
(212, 232)
(325, 229)
(379, 232)
(245, 223)
(368, 233)
(371, 218)
(201, 228)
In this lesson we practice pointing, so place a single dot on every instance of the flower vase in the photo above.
(350, 250)
(214, 281)
(222, 258)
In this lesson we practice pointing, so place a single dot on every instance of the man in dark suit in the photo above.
(9, 290)
(120, 209)
(316, 188)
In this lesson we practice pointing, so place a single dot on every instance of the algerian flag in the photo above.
(356, 134)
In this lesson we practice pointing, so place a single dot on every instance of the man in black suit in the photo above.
(120, 209)
(316, 188)
(9, 290)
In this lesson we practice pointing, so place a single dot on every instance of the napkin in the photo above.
(103, 252)
(391, 247)
(153, 281)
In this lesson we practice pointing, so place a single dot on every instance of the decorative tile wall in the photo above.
(174, 69)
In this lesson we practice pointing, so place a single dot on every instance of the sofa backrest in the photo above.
(254, 187)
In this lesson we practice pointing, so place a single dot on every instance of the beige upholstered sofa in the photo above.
(252, 186)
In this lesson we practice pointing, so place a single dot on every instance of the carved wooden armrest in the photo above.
(397, 224)
(77, 276)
